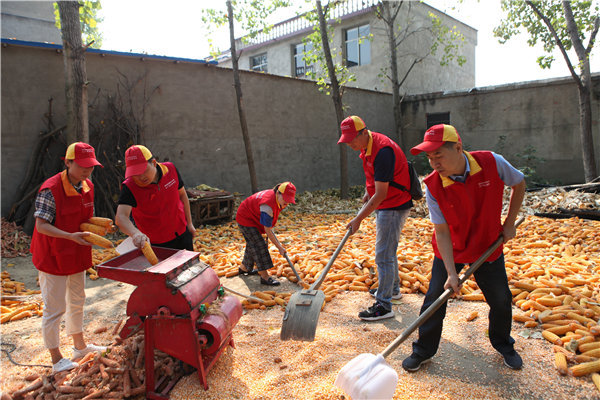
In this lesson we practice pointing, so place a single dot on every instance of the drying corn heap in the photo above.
(552, 266)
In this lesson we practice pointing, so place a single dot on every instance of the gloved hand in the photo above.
(139, 239)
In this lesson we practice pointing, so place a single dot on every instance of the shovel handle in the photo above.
(243, 295)
(444, 297)
(293, 269)
(316, 284)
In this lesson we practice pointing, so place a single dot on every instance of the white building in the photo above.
(29, 20)
(360, 42)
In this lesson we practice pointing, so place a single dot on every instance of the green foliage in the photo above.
(520, 18)
(449, 40)
(316, 56)
(251, 15)
(421, 164)
(89, 20)
(528, 163)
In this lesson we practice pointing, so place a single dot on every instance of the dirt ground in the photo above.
(465, 366)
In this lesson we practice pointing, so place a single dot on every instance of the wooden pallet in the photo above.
(212, 207)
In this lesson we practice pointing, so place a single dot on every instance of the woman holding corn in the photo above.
(154, 194)
(60, 252)
(256, 216)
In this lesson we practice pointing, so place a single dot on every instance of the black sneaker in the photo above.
(513, 360)
(396, 296)
(375, 312)
(414, 362)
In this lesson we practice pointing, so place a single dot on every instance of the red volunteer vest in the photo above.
(395, 197)
(59, 256)
(159, 213)
(248, 213)
(472, 209)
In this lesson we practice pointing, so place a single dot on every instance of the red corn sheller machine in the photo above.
(181, 306)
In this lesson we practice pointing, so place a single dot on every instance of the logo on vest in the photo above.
(169, 184)
(484, 184)
(88, 204)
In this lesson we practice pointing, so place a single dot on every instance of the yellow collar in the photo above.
(472, 168)
(68, 186)
(370, 145)
(164, 169)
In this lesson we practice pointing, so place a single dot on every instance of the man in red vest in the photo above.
(386, 170)
(61, 254)
(154, 193)
(464, 197)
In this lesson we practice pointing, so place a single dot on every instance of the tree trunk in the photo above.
(238, 94)
(75, 73)
(584, 87)
(389, 21)
(585, 125)
(337, 101)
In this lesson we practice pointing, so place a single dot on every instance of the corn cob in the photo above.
(149, 253)
(98, 240)
(560, 360)
(101, 221)
(596, 380)
(97, 229)
(585, 368)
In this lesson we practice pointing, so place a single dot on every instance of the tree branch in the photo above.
(593, 36)
(557, 40)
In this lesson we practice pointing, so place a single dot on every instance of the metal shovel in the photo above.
(368, 376)
(302, 312)
(293, 269)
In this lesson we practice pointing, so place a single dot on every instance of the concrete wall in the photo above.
(541, 115)
(29, 20)
(427, 76)
(191, 119)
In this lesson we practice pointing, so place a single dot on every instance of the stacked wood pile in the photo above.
(15, 242)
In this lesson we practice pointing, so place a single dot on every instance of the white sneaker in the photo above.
(91, 348)
(64, 365)
(396, 296)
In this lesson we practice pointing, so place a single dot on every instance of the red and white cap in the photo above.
(136, 160)
(83, 154)
(288, 191)
(435, 137)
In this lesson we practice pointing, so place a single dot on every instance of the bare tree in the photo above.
(440, 36)
(238, 94)
(336, 96)
(75, 73)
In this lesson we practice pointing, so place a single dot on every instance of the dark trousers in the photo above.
(185, 241)
(491, 278)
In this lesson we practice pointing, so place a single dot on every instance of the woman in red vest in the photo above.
(155, 195)
(61, 254)
(256, 216)
(464, 197)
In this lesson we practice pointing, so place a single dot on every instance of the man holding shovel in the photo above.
(386, 169)
(464, 197)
